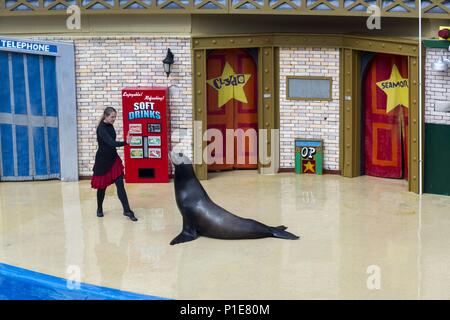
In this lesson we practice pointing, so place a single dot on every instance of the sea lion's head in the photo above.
(178, 158)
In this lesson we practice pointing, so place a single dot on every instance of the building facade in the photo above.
(120, 44)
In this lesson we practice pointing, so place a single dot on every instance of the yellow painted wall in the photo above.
(214, 24)
(97, 25)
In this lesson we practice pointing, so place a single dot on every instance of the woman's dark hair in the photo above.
(106, 113)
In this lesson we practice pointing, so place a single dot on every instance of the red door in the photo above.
(386, 117)
(232, 103)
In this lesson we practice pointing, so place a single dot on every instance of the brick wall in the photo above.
(309, 119)
(437, 87)
(104, 65)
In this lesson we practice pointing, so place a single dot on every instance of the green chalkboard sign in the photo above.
(308, 156)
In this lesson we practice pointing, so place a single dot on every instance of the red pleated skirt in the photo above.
(101, 182)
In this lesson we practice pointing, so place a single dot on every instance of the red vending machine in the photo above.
(146, 118)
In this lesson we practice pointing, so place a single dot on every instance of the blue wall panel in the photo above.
(7, 150)
(51, 93)
(20, 99)
(34, 84)
(39, 151)
(23, 154)
(5, 100)
(53, 143)
(37, 83)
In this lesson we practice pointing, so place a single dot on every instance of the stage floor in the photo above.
(362, 238)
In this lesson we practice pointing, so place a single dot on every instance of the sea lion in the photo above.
(202, 217)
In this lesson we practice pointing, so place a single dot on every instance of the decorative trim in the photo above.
(67, 110)
(395, 8)
(432, 43)
(401, 46)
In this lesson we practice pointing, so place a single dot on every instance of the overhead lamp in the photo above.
(441, 65)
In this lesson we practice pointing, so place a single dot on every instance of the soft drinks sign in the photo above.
(146, 119)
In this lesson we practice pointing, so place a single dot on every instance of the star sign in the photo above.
(309, 166)
(396, 89)
(229, 85)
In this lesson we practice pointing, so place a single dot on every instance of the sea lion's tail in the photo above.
(279, 233)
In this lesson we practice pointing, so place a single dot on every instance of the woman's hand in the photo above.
(128, 139)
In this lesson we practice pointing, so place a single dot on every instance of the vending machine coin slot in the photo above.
(145, 147)
(146, 119)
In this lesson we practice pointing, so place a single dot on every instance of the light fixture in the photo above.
(167, 62)
(441, 65)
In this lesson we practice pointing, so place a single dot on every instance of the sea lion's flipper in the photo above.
(183, 237)
(278, 233)
(281, 227)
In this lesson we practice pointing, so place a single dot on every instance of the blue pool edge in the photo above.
(22, 284)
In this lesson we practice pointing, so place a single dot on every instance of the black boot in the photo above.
(100, 198)
(130, 214)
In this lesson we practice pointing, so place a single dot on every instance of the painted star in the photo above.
(229, 85)
(396, 89)
(309, 166)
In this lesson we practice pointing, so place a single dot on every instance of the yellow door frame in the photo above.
(268, 109)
